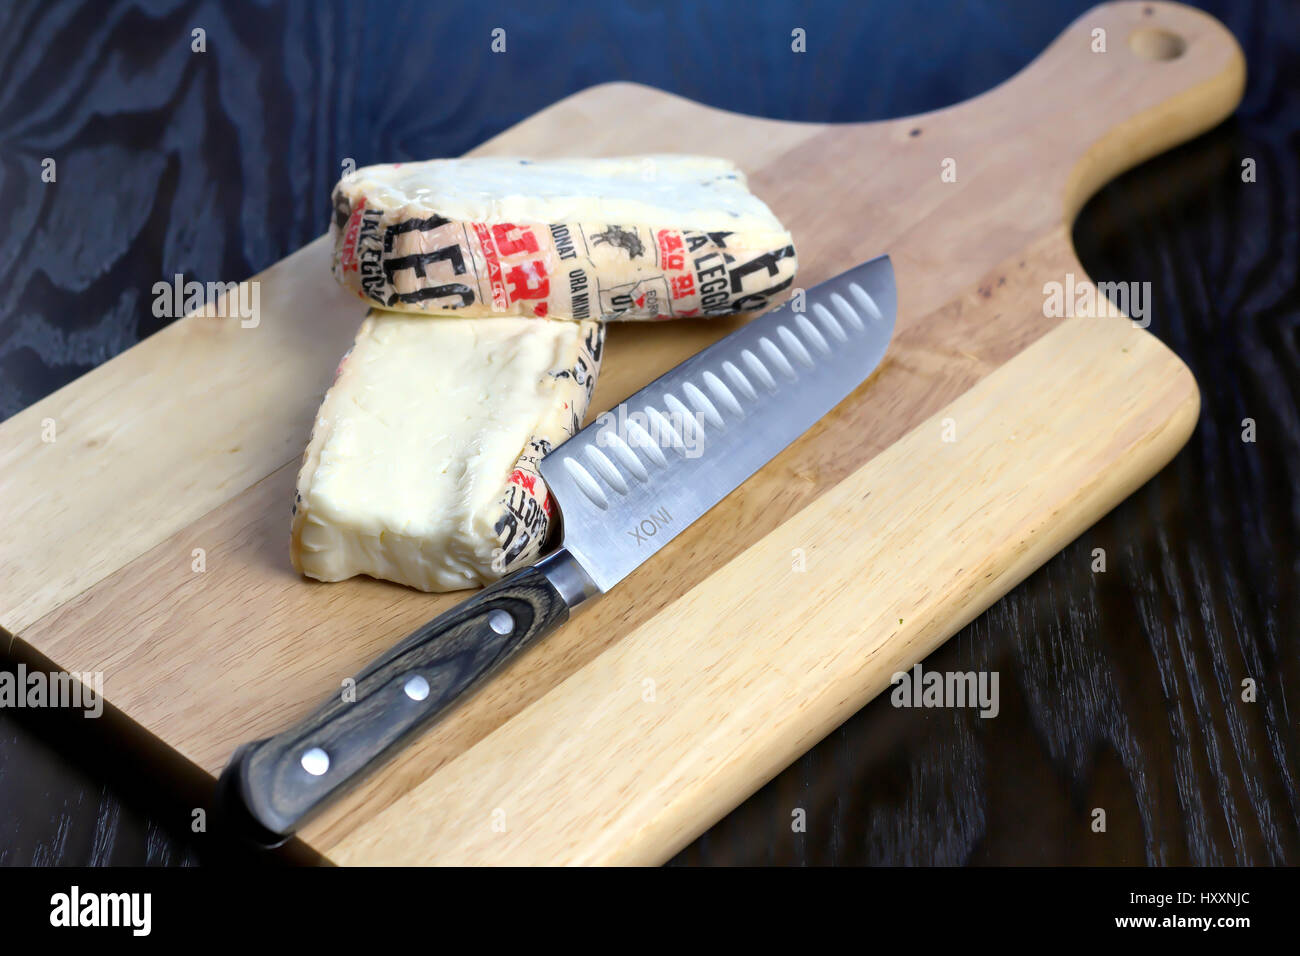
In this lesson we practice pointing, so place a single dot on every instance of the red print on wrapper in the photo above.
(513, 245)
(524, 481)
(348, 255)
(513, 281)
(528, 281)
(671, 251)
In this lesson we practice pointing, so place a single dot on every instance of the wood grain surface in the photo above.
(936, 315)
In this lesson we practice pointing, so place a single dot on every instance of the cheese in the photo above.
(422, 463)
(651, 237)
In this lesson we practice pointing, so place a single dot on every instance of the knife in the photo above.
(624, 486)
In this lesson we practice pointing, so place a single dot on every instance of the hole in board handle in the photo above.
(1151, 43)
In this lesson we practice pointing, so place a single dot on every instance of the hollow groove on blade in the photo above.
(641, 473)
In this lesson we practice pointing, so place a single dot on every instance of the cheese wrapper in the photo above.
(638, 238)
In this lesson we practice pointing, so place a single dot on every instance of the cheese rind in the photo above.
(651, 237)
(422, 463)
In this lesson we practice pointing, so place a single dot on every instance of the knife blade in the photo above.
(624, 486)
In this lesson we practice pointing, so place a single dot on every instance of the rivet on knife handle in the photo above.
(284, 779)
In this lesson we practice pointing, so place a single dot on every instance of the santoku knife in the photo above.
(625, 486)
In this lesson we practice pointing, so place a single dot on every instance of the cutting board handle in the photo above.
(1121, 84)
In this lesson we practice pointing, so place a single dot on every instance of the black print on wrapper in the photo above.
(526, 518)
(436, 265)
(620, 238)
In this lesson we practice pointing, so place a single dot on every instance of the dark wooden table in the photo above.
(1120, 690)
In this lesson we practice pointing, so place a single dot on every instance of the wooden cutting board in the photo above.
(149, 540)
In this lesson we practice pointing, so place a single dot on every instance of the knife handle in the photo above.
(282, 780)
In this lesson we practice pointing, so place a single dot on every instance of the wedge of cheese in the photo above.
(422, 463)
(650, 237)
